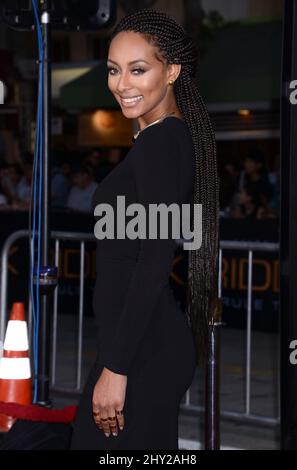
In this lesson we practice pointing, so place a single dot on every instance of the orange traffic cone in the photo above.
(15, 370)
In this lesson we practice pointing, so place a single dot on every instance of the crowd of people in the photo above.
(74, 179)
(250, 191)
(15, 184)
(246, 191)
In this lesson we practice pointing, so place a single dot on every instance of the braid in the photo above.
(177, 47)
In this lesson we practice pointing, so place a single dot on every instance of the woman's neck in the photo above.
(143, 124)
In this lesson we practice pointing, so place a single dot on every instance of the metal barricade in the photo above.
(246, 415)
(82, 238)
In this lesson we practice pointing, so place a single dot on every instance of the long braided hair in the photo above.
(175, 46)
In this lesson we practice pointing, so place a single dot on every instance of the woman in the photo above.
(146, 349)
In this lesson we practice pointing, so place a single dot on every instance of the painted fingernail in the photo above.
(121, 428)
(107, 435)
(114, 434)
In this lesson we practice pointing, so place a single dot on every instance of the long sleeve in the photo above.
(155, 162)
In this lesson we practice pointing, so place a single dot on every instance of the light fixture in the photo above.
(103, 120)
(244, 112)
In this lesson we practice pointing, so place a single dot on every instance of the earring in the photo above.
(171, 82)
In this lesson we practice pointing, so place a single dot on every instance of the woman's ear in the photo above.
(174, 71)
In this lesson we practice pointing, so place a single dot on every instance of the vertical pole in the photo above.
(288, 230)
(212, 382)
(46, 297)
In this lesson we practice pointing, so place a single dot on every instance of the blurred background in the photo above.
(239, 44)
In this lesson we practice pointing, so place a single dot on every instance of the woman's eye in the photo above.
(138, 70)
(110, 69)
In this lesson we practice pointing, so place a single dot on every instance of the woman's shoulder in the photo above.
(162, 144)
(169, 130)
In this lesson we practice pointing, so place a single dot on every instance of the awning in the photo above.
(65, 73)
(89, 91)
(242, 63)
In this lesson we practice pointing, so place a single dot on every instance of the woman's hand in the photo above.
(108, 400)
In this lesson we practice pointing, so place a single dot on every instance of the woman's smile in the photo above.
(131, 102)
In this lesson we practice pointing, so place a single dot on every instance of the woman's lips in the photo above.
(131, 102)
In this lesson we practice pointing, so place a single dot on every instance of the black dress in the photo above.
(142, 331)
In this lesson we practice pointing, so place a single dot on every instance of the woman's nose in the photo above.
(123, 83)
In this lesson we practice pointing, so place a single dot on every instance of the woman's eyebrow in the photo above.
(130, 63)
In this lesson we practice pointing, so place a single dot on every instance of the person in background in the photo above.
(3, 198)
(252, 205)
(16, 183)
(10, 178)
(249, 205)
(60, 185)
(254, 188)
(94, 159)
(229, 179)
(81, 193)
(256, 177)
(23, 188)
(114, 155)
(275, 200)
